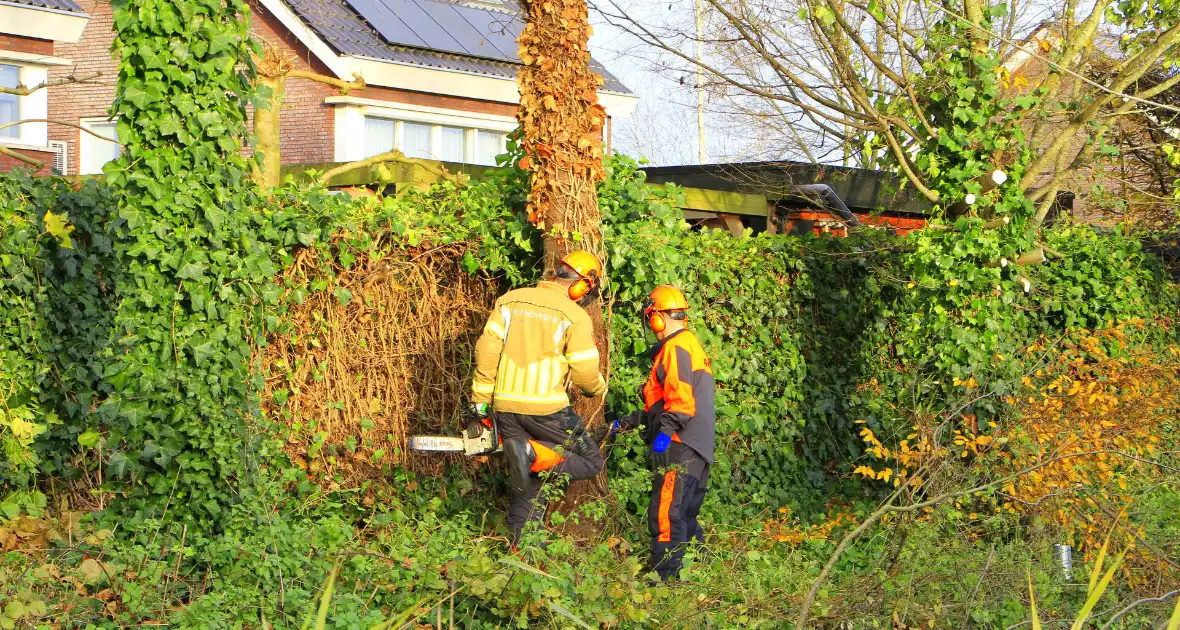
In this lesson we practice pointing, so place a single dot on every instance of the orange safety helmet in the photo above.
(664, 299)
(589, 272)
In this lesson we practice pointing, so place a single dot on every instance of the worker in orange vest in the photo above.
(680, 419)
(536, 341)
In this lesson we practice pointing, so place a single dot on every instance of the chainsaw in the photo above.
(479, 438)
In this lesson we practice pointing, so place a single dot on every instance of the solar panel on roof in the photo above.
(427, 26)
(498, 31)
(385, 20)
(444, 26)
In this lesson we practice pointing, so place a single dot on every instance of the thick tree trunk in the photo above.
(266, 132)
(562, 140)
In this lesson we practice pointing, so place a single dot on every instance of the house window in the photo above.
(453, 144)
(416, 140)
(95, 151)
(380, 136)
(488, 145)
(9, 103)
(447, 143)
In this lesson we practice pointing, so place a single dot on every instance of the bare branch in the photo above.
(56, 122)
(21, 90)
(35, 163)
(344, 86)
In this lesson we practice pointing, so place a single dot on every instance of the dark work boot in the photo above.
(520, 456)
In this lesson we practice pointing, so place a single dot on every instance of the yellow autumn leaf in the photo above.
(866, 471)
(58, 226)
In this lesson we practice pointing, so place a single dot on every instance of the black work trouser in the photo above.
(563, 431)
(676, 496)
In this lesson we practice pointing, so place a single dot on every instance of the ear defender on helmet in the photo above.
(588, 270)
(665, 302)
(655, 319)
(583, 287)
(657, 322)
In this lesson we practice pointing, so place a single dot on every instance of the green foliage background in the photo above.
(127, 360)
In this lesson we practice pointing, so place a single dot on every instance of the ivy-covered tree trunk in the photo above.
(562, 122)
(177, 371)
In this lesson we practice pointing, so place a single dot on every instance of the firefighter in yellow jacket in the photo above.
(537, 340)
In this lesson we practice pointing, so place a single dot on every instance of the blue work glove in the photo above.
(663, 441)
(660, 457)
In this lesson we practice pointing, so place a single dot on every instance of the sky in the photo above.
(663, 127)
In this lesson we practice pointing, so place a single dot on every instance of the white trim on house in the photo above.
(434, 80)
(352, 111)
(426, 114)
(33, 58)
(33, 106)
(463, 84)
(42, 23)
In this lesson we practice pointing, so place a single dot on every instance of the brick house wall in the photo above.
(90, 54)
(31, 45)
(307, 124)
(7, 163)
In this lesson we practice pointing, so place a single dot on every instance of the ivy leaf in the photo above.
(190, 270)
(59, 228)
(89, 439)
(117, 465)
(134, 94)
(202, 351)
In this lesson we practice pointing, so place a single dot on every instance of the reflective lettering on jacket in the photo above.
(536, 341)
(679, 396)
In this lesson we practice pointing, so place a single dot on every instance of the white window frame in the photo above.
(33, 106)
(352, 111)
(86, 141)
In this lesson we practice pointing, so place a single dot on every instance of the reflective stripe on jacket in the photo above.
(535, 341)
(679, 397)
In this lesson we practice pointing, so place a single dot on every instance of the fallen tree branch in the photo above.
(397, 157)
(1133, 605)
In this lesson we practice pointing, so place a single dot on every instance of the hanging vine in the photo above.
(178, 382)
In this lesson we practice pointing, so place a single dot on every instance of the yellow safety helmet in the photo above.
(589, 272)
(664, 299)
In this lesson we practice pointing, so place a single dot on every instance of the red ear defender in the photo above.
(657, 322)
(579, 289)
(655, 319)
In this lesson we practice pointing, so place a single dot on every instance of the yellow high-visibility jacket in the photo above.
(535, 339)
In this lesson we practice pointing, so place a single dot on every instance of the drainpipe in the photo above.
(828, 199)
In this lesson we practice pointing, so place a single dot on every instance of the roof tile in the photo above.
(60, 5)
